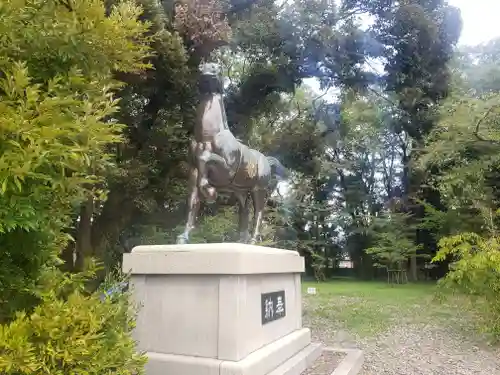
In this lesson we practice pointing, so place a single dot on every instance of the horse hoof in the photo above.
(211, 194)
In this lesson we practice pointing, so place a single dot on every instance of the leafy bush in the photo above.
(44, 171)
(56, 129)
(475, 272)
(71, 332)
(56, 103)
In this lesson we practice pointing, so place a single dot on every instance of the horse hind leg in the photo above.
(193, 203)
(244, 213)
(259, 202)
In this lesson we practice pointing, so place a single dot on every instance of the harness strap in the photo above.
(238, 167)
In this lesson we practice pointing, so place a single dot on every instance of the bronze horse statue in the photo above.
(221, 163)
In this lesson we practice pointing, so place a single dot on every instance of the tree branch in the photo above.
(383, 97)
(478, 124)
(319, 97)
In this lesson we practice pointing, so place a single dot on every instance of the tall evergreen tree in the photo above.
(418, 37)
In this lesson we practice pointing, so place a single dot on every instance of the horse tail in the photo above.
(277, 169)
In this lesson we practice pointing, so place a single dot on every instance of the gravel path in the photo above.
(402, 331)
(411, 349)
(416, 350)
(427, 350)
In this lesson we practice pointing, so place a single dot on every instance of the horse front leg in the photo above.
(204, 155)
(259, 203)
(193, 203)
(244, 213)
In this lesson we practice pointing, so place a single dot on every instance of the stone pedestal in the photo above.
(225, 309)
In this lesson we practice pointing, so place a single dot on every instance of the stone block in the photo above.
(226, 309)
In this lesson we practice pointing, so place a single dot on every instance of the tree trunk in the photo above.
(116, 214)
(83, 246)
(67, 256)
(413, 268)
(407, 208)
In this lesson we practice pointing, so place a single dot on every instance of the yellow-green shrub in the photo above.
(57, 65)
(475, 272)
(71, 333)
(57, 61)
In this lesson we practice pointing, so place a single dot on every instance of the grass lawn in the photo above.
(368, 308)
(402, 329)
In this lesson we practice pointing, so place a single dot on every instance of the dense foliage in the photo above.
(57, 100)
(463, 150)
(72, 332)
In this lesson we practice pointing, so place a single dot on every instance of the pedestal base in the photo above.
(220, 309)
(289, 355)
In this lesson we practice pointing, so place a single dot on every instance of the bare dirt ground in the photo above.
(325, 364)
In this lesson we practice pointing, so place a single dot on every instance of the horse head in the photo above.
(211, 79)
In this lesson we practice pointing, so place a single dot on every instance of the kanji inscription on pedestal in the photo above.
(273, 306)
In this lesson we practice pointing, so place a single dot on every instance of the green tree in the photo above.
(393, 244)
(463, 149)
(147, 174)
(57, 101)
(417, 40)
